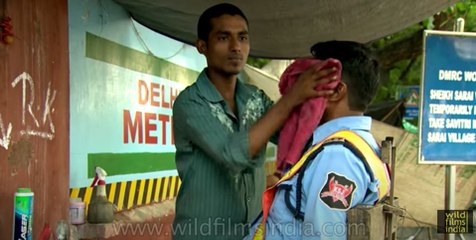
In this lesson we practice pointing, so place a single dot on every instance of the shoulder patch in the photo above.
(338, 191)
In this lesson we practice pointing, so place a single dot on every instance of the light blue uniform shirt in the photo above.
(335, 169)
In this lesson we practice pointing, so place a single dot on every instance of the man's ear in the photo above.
(201, 46)
(340, 92)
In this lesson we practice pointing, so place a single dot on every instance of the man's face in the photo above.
(228, 45)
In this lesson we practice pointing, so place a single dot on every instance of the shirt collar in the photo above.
(242, 90)
(343, 123)
(209, 91)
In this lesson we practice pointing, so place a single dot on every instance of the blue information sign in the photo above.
(411, 94)
(448, 101)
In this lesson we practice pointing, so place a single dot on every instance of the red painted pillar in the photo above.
(34, 110)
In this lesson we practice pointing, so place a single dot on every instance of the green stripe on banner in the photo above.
(104, 50)
(128, 163)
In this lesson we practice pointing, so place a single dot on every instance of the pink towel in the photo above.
(305, 118)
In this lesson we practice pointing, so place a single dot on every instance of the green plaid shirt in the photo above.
(221, 186)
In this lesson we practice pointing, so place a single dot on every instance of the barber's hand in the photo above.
(304, 88)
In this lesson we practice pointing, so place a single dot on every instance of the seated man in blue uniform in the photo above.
(341, 169)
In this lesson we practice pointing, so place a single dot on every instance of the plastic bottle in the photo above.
(46, 232)
(100, 210)
(61, 230)
(23, 214)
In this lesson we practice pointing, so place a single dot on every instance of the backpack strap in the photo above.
(376, 168)
(348, 139)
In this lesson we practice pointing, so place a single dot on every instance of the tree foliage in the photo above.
(257, 62)
(400, 54)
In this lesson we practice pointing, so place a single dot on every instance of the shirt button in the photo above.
(249, 199)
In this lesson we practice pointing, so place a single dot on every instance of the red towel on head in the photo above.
(305, 118)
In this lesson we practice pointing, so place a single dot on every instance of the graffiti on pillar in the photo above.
(5, 135)
(44, 128)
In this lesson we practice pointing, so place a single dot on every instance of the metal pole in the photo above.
(450, 193)
(450, 175)
(386, 156)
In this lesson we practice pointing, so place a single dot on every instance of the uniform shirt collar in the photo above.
(343, 123)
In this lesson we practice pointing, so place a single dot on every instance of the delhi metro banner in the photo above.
(448, 107)
(121, 112)
(124, 79)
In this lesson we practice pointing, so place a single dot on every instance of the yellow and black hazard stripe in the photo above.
(126, 195)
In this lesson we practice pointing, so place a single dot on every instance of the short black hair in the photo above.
(204, 25)
(360, 71)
